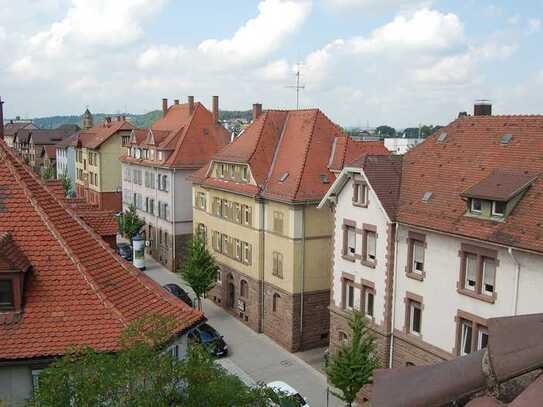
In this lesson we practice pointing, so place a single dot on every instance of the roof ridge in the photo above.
(261, 130)
(52, 228)
(306, 153)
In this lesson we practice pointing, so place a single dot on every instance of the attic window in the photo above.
(506, 138)
(498, 208)
(206, 131)
(427, 196)
(442, 137)
(6, 294)
(283, 177)
(324, 179)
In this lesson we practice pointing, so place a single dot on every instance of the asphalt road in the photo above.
(254, 357)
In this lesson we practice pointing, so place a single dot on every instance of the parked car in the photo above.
(178, 292)
(125, 251)
(292, 397)
(210, 339)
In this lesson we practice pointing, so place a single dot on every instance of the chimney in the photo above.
(462, 114)
(215, 110)
(190, 101)
(119, 118)
(164, 107)
(176, 101)
(482, 108)
(108, 119)
(1, 119)
(257, 110)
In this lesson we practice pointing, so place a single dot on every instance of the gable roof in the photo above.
(70, 141)
(94, 137)
(50, 151)
(45, 136)
(191, 138)
(11, 257)
(11, 129)
(500, 186)
(81, 292)
(289, 153)
(472, 152)
(346, 150)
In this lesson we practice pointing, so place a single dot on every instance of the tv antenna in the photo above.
(298, 87)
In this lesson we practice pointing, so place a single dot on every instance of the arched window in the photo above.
(244, 289)
(343, 338)
(276, 298)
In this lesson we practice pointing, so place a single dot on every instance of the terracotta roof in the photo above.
(81, 292)
(289, 152)
(96, 136)
(50, 151)
(471, 152)
(346, 150)
(384, 173)
(102, 222)
(45, 136)
(69, 141)
(11, 257)
(10, 129)
(192, 139)
(500, 186)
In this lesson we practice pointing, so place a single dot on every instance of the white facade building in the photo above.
(400, 145)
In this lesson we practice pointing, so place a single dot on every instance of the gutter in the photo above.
(302, 278)
(394, 276)
(262, 260)
(517, 278)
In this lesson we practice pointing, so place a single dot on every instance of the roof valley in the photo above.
(275, 152)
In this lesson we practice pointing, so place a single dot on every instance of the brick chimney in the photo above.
(257, 110)
(164, 106)
(482, 108)
(176, 101)
(190, 101)
(1, 118)
(215, 110)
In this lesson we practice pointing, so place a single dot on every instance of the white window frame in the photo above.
(371, 256)
(487, 260)
(351, 238)
(477, 211)
(467, 286)
(412, 307)
(367, 292)
(495, 213)
(349, 289)
(481, 330)
(464, 326)
(420, 245)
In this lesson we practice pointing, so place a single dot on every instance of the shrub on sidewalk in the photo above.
(199, 269)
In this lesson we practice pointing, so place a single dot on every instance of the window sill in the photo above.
(482, 297)
(369, 263)
(360, 205)
(416, 276)
(348, 258)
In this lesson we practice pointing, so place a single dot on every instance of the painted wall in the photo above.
(441, 300)
(15, 385)
(374, 215)
(66, 163)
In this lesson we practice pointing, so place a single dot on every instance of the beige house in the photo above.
(255, 204)
(97, 165)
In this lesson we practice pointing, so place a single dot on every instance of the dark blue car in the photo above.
(210, 339)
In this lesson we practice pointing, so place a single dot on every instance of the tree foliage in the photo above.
(352, 366)
(386, 131)
(130, 223)
(48, 172)
(142, 374)
(66, 184)
(199, 269)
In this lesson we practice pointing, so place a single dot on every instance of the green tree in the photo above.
(130, 223)
(66, 184)
(199, 269)
(142, 374)
(48, 172)
(352, 366)
(386, 131)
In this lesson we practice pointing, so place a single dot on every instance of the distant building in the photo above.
(155, 166)
(37, 139)
(97, 165)
(87, 121)
(400, 145)
(65, 157)
(12, 128)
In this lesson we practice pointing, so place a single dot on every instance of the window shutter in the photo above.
(249, 254)
(489, 272)
(471, 269)
(418, 252)
(371, 239)
(351, 236)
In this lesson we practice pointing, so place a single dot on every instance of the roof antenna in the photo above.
(298, 87)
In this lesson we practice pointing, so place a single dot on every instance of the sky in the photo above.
(362, 62)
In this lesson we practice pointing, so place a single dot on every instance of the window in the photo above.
(476, 205)
(414, 320)
(349, 244)
(202, 232)
(478, 272)
(277, 222)
(415, 263)
(275, 303)
(360, 193)
(6, 294)
(498, 208)
(277, 264)
(244, 173)
(237, 252)
(217, 206)
(368, 295)
(201, 200)
(371, 242)
(489, 275)
(247, 215)
(232, 171)
(472, 333)
(220, 170)
(348, 294)
(225, 210)
(219, 277)
(247, 253)
(151, 208)
(237, 212)
(471, 272)
(35, 379)
(343, 338)
(244, 289)
(164, 186)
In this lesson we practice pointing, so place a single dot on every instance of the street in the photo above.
(253, 356)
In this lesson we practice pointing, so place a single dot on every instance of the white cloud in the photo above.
(162, 55)
(534, 25)
(377, 5)
(261, 35)
(275, 71)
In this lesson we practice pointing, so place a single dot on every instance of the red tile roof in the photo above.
(346, 150)
(80, 292)
(11, 257)
(290, 153)
(472, 152)
(192, 138)
(96, 136)
(500, 186)
(50, 151)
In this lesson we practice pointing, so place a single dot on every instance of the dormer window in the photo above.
(476, 206)
(498, 208)
(244, 173)
(6, 295)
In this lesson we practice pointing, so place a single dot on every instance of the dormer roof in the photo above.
(500, 186)
(11, 256)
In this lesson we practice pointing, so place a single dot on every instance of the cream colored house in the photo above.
(255, 204)
(97, 165)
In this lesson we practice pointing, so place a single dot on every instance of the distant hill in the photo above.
(138, 120)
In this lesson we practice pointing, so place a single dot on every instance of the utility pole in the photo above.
(298, 87)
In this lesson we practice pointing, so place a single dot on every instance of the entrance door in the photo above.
(231, 292)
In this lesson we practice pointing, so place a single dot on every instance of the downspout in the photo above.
(395, 282)
(517, 278)
(174, 240)
(302, 289)
(262, 260)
